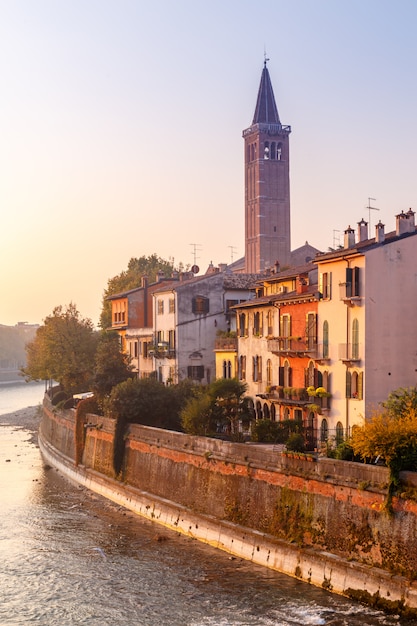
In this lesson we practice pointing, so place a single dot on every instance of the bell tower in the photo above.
(267, 184)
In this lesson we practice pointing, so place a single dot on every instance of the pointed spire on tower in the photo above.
(266, 111)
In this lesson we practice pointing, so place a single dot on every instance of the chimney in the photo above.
(144, 282)
(380, 232)
(302, 283)
(222, 267)
(401, 225)
(160, 276)
(362, 230)
(411, 220)
(349, 237)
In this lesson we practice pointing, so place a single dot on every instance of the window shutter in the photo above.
(360, 386)
(281, 376)
(348, 282)
(355, 285)
(290, 376)
(319, 379)
(348, 384)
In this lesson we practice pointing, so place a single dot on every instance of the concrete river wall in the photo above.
(322, 521)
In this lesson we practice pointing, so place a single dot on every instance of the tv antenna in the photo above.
(196, 248)
(370, 208)
(336, 244)
(232, 251)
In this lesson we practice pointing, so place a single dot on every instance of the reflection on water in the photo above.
(70, 557)
(18, 395)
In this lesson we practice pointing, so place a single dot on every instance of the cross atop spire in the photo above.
(266, 111)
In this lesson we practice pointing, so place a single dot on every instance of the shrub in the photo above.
(296, 442)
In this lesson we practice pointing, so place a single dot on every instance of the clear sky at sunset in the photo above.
(121, 131)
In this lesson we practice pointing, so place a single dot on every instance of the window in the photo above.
(325, 339)
(285, 374)
(195, 372)
(270, 322)
(285, 331)
(257, 369)
(160, 307)
(311, 330)
(171, 305)
(311, 375)
(266, 411)
(339, 433)
(242, 367)
(200, 305)
(354, 385)
(352, 282)
(171, 339)
(227, 369)
(257, 324)
(269, 372)
(242, 325)
(324, 431)
(325, 287)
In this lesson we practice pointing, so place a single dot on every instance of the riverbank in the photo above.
(28, 419)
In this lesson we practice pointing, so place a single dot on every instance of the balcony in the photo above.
(226, 343)
(162, 351)
(293, 346)
(350, 353)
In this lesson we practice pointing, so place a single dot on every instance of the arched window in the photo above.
(287, 374)
(339, 433)
(258, 410)
(286, 413)
(279, 151)
(242, 367)
(273, 154)
(355, 339)
(325, 339)
(266, 150)
(224, 369)
(269, 372)
(324, 431)
(266, 411)
(311, 375)
(270, 322)
(273, 413)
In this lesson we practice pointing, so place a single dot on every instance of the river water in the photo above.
(70, 557)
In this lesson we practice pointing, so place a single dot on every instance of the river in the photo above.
(69, 557)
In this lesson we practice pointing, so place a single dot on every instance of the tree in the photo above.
(131, 278)
(111, 365)
(63, 350)
(197, 414)
(143, 401)
(230, 406)
(391, 435)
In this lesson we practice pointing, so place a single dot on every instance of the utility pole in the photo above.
(370, 208)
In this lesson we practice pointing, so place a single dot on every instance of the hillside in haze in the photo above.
(13, 340)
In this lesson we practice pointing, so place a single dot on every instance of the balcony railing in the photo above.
(350, 352)
(290, 345)
(225, 343)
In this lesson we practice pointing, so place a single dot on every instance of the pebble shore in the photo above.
(28, 418)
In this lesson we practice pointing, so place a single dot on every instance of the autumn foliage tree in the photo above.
(391, 435)
(63, 350)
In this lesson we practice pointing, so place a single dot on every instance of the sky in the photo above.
(121, 132)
